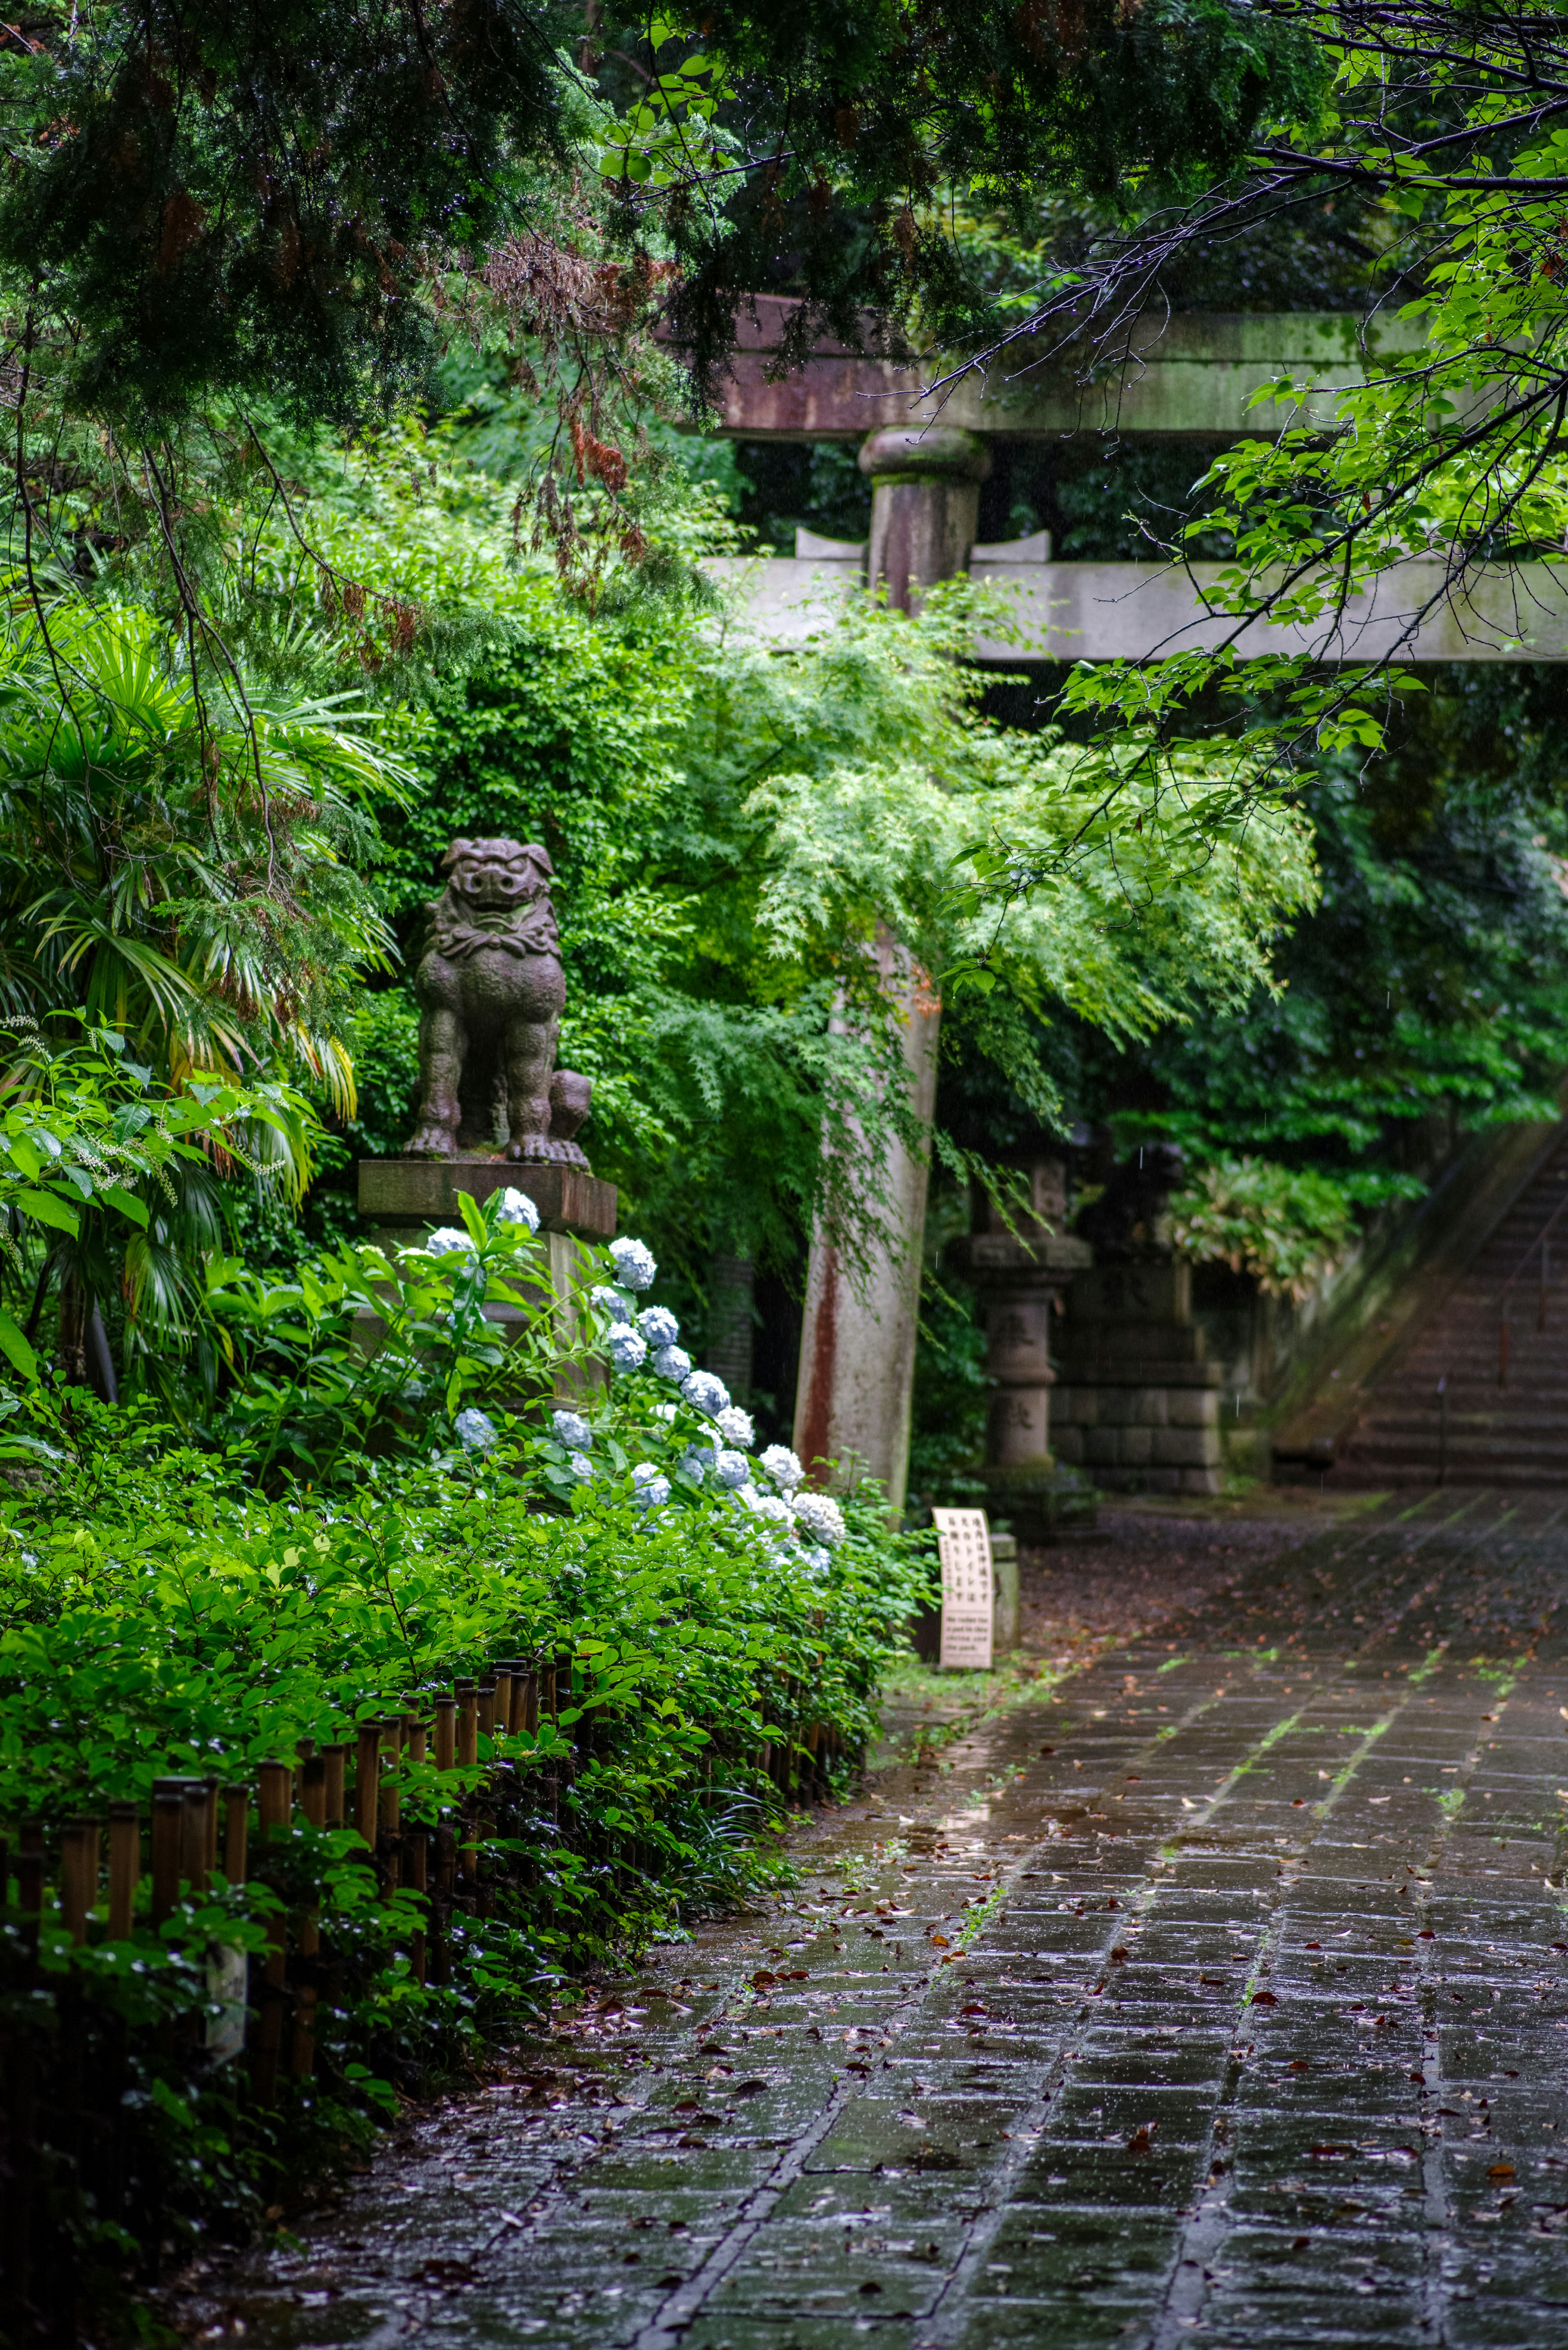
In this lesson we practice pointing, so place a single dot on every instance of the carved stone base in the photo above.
(406, 1192)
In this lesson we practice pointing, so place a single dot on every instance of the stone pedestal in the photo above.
(411, 1194)
(858, 1340)
(1137, 1404)
(405, 1198)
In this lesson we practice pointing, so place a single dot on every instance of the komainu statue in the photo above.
(490, 992)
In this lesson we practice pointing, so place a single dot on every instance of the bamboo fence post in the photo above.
(236, 1830)
(277, 1784)
(389, 1813)
(215, 1788)
(193, 1836)
(501, 1726)
(446, 1734)
(335, 1759)
(368, 1781)
(124, 1869)
(416, 1848)
(79, 1853)
(168, 1838)
(312, 1794)
(467, 1696)
(313, 1790)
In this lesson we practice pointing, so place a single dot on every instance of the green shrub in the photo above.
(336, 1538)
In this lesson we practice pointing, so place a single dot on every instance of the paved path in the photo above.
(1222, 1998)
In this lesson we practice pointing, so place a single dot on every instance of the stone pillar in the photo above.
(1021, 1274)
(857, 1346)
(925, 505)
(857, 1343)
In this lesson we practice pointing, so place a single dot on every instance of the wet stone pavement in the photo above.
(1220, 1995)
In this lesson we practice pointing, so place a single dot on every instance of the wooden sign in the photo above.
(964, 1539)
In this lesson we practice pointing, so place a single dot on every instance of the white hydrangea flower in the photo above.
(626, 1347)
(634, 1264)
(745, 1497)
(449, 1242)
(731, 1469)
(735, 1427)
(582, 1469)
(705, 1393)
(665, 1410)
(650, 1486)
(773, 1507)
(518, 1207)
(672, 1362)
(475, 1430)
(783, 1467)
(697, 1462)
(659, 1325)
(571, 1428)
(611, 1302)
(819, 1515)
(818, 1560)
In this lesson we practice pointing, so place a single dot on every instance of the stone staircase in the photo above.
(1456, 1404)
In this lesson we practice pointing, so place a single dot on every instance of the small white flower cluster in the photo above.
(447, 1241)
(516, 1207)
(782, 1467)
(511, 1206)
(573, 1431)
(634, 1264)
(651, 1336)
(819, 1515)
(650, 1486)
(705, 1393)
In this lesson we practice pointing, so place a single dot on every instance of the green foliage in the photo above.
(340, 1537)
(1289, 1228)
(92, 1152)
(227, 198)
(177, 852)
(1429, 986)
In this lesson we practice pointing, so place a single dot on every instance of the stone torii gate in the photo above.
(1167, 377)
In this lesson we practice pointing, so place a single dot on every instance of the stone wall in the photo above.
(1136, 1404)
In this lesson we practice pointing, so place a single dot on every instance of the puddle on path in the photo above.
(1219, 1995)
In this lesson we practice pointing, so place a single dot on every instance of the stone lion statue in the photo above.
(490, 993)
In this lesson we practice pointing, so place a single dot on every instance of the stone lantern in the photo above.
(1021, 1274)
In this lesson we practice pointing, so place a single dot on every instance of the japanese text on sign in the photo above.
(963, 1540)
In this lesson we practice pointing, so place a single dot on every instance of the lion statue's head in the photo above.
(491, 877)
